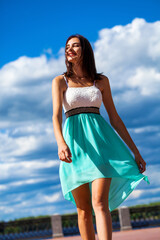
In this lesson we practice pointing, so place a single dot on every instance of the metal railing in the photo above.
(56, 225)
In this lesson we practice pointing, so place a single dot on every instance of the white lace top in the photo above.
(75, 97)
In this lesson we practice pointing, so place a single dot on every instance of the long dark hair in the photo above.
(88, 61)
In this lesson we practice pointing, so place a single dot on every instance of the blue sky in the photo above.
(27, 26)
(125, 39)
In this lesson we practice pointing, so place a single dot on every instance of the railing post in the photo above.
(56, 222)
(124, 217)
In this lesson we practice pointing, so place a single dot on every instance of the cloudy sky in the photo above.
(125, 39)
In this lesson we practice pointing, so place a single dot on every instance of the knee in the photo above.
(84, 211)
(100, 204)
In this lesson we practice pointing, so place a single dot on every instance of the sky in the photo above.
(125, 39)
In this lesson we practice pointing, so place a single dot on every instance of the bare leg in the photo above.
(100, 192)
(82, 198)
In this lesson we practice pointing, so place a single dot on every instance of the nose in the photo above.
(69, 48)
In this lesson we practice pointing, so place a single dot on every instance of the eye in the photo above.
(76, 45)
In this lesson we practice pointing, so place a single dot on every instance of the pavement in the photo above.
(136, 234)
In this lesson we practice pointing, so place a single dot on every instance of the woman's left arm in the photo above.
(118, 124)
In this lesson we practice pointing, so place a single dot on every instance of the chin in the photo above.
(72, 60)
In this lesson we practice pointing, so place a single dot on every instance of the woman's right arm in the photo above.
(57, 96)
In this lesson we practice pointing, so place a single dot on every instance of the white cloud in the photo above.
(43, 204)
(130, 56)
(25, 168)
(136, 194)
(147, 80)
(141, 192)
(49, 51)
(26, 89)
(2, 187)
(30, 71)
(146, 129)
(52, 198)
(152, 171)
(23, 140)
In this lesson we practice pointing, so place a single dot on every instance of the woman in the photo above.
(97, 170)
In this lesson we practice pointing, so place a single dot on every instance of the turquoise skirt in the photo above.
(97, 152)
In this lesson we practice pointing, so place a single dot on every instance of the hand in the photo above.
(64, 153)
(140, 162)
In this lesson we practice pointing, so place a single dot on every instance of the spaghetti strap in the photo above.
(65, 79)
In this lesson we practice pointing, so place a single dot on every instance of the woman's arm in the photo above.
(57, 96)
(117, 122)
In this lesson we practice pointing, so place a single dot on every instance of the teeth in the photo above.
(71, 54)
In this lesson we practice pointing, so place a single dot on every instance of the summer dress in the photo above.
(97, 150)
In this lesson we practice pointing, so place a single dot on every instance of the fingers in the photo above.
(140, 162)
(65, 156)
(142, 166)
(68, 156)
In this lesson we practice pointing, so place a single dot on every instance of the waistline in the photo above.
(78, 110)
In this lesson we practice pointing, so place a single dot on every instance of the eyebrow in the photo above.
(73, 43)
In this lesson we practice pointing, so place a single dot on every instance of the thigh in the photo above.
(82, 197)
(100, 191)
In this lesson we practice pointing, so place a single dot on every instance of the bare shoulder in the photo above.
(59, 81)
(103, 83)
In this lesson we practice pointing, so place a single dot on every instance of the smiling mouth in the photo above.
(71, 54)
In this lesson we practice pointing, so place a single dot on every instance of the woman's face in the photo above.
(73, 50)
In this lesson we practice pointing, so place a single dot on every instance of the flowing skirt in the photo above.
(97, 152)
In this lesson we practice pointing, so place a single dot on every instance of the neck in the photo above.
(77, 70)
